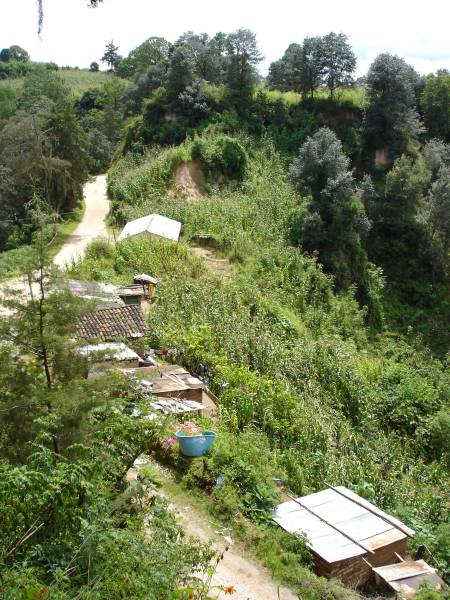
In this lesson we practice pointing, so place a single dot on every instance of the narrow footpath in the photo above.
(250, 579)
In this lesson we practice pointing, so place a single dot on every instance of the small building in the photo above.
(406, 577)
(108, 354)
(152, 226)
(173, 382)
(140, 293)
(112, 322)
(347, 535)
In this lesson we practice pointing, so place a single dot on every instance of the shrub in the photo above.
(221, 155)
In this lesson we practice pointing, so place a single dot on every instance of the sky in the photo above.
(75, 35)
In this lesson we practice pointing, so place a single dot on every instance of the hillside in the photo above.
(301, 380)
(291, 345)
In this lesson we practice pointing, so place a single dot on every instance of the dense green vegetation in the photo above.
(284, 353)
(327, 343)
(56, 127)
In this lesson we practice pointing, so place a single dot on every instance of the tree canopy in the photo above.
(320, 61)
(391, 90)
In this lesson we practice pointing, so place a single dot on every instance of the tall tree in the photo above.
(154, 51)
(286, 73)
(313, 66)
(336, 218)
(339, 61)
(244, 55)
(42, 150)
(4, 55)
(398, 240)
(436, 154)
(436, 215)
(181, 72)
(42, 322)
(17, 53)
(43, 87)
(207, 56)
(111, 56)
(391, 85)
(435, 103)
(144, 86)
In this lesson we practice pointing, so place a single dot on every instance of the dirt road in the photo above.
(91, 226)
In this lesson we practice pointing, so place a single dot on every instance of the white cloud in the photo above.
(75, 34)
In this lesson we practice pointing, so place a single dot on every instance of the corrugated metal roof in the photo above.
(144, 278)
(108, 351)
(154, 224)
(357, 522)
(406, 577)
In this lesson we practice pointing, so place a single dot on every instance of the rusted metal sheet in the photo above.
(406, 577)
(408, 588)
(407, 568)
(176, 405)
(384, 538)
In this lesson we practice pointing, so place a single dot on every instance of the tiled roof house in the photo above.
(112, 323)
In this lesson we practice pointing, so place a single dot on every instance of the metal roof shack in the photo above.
(346, 534)
(115, 351)
(406, 577)
(150, 226)
(143, 278)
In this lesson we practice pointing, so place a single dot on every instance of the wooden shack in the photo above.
(346, 534)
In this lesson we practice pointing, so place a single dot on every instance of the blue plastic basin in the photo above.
(195, 445)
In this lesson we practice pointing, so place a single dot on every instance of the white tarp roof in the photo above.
(108, 351)
(344, 513)
(153, 224)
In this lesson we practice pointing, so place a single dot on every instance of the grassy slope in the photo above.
(79, 80)
(356, 95)
(350, 400)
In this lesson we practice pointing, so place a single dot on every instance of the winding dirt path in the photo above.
(250, 579)
(91, 226)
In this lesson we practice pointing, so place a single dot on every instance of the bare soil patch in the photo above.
(189, 180)
(221, 266)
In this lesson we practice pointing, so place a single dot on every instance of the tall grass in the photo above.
(356, 95)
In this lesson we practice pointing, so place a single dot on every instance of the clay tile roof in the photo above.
(111, 323)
